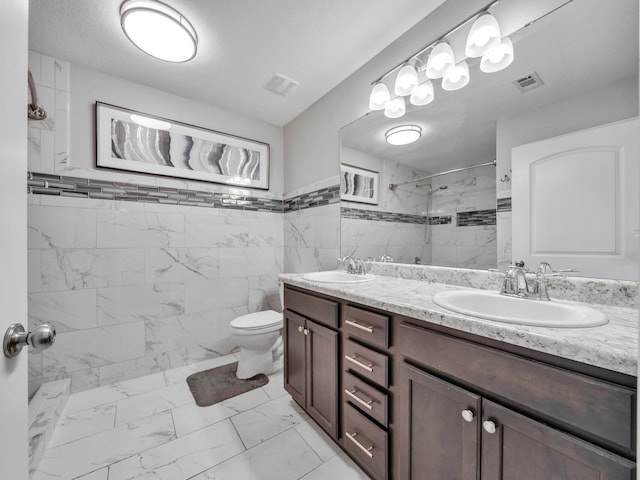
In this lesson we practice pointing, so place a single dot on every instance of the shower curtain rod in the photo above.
(393, 186)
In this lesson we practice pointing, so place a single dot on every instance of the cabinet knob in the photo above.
(467, 415)
(300, 328)
(305, 331)
(489, 426)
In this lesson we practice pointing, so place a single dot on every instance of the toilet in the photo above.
(257, 334)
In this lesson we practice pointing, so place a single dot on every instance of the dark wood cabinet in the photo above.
(311, 368)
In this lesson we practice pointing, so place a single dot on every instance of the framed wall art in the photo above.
(359, 185)
(137, 142)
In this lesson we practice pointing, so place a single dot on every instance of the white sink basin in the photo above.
(501, 308)
(337, 276)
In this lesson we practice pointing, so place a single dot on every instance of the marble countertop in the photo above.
(613, 346)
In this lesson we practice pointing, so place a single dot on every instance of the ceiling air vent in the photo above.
(528, 82)
(281, 84)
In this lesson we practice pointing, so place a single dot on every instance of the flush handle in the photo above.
(40, 338)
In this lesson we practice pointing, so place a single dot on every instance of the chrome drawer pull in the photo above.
(366, 328)
(367, 450)
(364, 403)
(368, 367)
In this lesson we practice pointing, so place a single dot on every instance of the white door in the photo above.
(13, 233)
(575, 201)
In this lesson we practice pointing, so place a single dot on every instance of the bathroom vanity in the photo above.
(411, 391)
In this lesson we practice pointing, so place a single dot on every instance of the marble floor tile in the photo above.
(284, 457)
(180, 374)
(86, 455)
(183, 457)
(190, 417)
(84, 423)
(275, 387)
(263, 422)
(153, 402)
(340, 466)
(317, 439)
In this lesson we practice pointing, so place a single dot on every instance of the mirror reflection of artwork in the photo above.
(359, 185)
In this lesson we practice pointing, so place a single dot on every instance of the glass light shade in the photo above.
(483, 36)
(406, 80)
(158, 30)
(395, 108)
(457, 77)
(379, 96)
(150, 122)
(440, 60)
(403, 135)
(422, 94)
(499, 58)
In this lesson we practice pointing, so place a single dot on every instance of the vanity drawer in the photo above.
(368, 326)
(574, 402)
(364, 397)
(369, 364)
(366, 443)
(318, 309)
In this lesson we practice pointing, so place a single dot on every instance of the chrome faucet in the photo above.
(515, 282)
(354, 265)
(545, 271)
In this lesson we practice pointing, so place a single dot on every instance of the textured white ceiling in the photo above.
(242, 43)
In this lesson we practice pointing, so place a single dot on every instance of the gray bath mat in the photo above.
(217, 384)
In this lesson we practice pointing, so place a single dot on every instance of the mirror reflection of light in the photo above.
(403, 134)
(150, 122)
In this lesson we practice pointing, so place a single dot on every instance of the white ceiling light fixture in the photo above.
(457, 77)
(406, 81)
(499, 58)
(395, 108)
(440, 61)
(423, 94)
(483, 36)
(379, 96)
(403, 134)
(158, 30)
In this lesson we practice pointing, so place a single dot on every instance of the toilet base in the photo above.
(252, 362)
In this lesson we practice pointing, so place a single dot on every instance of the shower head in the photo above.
(34, 111)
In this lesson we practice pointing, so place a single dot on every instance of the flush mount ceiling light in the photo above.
(158, 30)
(499, 58)
(395, 108)
(422, 94)
(403, 135)
(483, 36)
(379, 97)
(457, 77)
(440, 61)
(406, 80)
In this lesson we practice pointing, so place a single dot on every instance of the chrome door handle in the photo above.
(367, 450)
(40, 338)
(368, 367)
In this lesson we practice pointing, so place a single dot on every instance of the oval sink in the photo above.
(337, 276)
(501, 308)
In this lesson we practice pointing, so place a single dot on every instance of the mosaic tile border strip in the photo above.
(317, 198)
(63, 186)
(442, 220)
(377, 216)
(476, 218)
(503, 204)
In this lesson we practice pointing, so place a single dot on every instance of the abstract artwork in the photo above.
(359, 185)
(133, 141)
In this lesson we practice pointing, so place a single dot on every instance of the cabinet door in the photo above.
(523, 449)
(322, 376)
(295, 356)
(437, 441)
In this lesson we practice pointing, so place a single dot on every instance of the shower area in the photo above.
(445, 219)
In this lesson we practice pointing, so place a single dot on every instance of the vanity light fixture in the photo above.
(406, 80)
(379, 96)
(457, 77)
(484, 36)
(395, 108)
(423, 94)
(440, 61)
(403, 134)
(158, 30)
(499, 58)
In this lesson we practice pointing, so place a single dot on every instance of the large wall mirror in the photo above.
(575, 68)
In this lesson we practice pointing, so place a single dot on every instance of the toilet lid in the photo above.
(263, 319)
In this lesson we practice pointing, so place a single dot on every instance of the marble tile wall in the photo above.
(135, 288)
(312, 228)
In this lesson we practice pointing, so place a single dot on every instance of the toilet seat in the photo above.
(257, 321)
